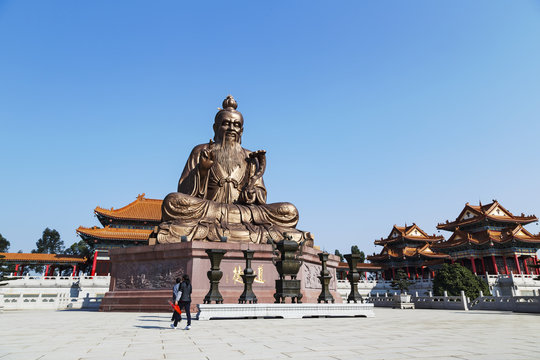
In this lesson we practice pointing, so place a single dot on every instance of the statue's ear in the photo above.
(215, 127)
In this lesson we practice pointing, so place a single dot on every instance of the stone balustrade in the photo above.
(53, 292)
(422, 302)
(528, 304)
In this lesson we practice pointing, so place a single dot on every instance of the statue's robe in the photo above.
(210, 208)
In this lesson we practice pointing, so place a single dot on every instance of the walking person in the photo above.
(177, 293)
(185, 298)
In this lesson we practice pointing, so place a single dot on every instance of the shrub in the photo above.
(455, 278)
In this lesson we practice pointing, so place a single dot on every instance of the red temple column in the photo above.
(74, 270)
(525, 266)
(408, 273)
(451, 261)
(473, 265)
(93, 273)
(535, 259)
(16, 273)
(494, 265)
(517, 264)
(506, 265)
(483, 265)
(393, 273)
(47, 270)
(432, 274)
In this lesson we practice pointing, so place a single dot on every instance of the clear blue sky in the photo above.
(372, 113)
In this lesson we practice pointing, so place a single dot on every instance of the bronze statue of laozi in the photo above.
(221, 193)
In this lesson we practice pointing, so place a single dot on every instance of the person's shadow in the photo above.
(151, 327)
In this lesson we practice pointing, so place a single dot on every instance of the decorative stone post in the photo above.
(214, 275)
(287, 263)
(325, 278)
(353, 276)
(248, 296)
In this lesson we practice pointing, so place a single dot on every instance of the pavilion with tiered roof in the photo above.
(408, 248)
(130, 225)
(490, 239)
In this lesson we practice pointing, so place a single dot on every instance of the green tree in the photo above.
(454, 278)
(3, 270)
(362, 257)
(401, 281)
(49, 243)
(341, 257)
(356, 250)
(4, 244)
(81, 248)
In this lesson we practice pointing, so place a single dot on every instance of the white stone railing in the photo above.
(381, 287)
(53, 292)
(422, 302)
(529, 304)
(58, 281)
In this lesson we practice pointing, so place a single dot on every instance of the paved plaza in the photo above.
(392, 334)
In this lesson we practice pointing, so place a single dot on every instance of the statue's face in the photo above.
(229, 127)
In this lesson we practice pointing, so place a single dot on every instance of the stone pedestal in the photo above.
(142, 277)
(284, 311)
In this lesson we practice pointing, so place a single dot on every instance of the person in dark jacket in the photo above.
(176, 317)
(185, 299)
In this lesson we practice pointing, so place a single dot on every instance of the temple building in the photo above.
(130, 225)
(490, 239)
(409, 248)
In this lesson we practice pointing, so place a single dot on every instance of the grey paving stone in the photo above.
(392, 334)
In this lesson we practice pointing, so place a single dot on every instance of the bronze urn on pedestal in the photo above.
(353, 276)
(325, 278)
(248, 296)
(287, 262)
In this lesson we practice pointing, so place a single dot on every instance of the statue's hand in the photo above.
(206, 159)
(260, 154)
(248, 195)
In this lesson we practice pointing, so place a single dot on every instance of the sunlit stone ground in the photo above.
(392, 334)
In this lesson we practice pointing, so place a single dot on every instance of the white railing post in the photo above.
(464, 300)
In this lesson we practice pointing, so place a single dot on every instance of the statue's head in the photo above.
(228, 123)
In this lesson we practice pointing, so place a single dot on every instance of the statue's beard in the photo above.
(228, 154)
